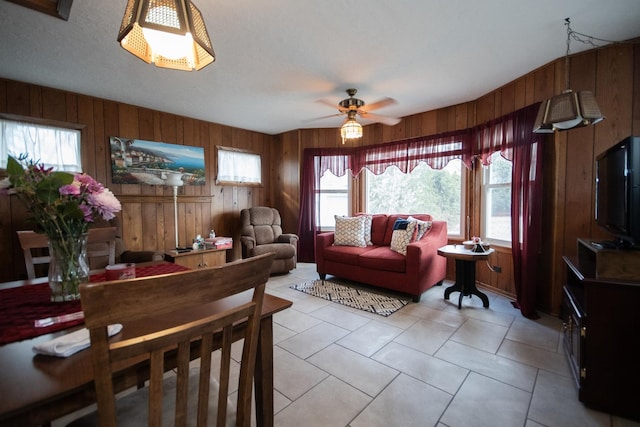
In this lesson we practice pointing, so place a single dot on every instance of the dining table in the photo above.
(38, 388)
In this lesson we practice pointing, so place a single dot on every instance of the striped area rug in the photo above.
(351, 296)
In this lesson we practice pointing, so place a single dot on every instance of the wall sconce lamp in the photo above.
(169, 33)
(351, 129)
(569, 109)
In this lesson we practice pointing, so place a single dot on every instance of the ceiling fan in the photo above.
(353, 107)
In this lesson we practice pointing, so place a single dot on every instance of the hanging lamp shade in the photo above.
(568, 110)
(169, 33)
(350, 129)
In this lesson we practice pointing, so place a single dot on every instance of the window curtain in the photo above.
(512, 135)
(526, 210)
(55, 147)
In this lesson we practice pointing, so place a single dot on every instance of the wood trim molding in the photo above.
(58, 8)
(140, 198)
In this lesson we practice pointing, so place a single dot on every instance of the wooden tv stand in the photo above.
(600, 321)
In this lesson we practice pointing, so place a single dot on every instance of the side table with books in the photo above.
(213, 254)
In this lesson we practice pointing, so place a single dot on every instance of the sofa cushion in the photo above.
(282, 250)
(350, 231)
(382, 258)
(403, 233)
(344, 254)
(378, 229)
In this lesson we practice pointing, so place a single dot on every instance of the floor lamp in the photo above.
(175, 180)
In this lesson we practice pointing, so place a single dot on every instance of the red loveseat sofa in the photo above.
(380, 266)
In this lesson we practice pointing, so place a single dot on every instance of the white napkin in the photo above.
(69, 344)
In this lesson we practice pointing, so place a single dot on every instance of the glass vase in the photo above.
(69, 266)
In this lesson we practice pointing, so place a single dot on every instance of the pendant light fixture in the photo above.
(169, 33)
(570, 109)
(351, 129)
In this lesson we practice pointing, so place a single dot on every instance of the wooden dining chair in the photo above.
(206, 323)
(31, 241)
(101, 247)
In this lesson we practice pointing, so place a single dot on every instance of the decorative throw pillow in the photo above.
(367, 228)
(421, 227)
(350, 231)
(402, 234)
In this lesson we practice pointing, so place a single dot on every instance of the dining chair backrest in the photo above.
(101, 247)
(30, 240)
(195, 298)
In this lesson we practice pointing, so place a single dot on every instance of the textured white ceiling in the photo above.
(276, 58)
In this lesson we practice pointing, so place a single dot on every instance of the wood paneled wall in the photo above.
(147, 217)
(612, 73)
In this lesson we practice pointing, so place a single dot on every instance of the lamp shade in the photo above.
(568, 110)
(350, 129)
(169, 33)
(174, 180)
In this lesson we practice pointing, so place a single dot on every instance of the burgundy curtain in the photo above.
(315, 162)
(526, 210)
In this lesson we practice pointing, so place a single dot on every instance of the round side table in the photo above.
(465, 271)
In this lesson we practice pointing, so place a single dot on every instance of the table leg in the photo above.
(263, 376)
(466, 283)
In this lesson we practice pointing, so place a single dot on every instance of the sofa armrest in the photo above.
(323, 240)
(248, 242)
(290, 238)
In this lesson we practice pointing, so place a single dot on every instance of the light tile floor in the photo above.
(428, 364)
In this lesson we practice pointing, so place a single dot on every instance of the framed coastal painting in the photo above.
(136, 161)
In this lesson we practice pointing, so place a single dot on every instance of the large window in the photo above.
(496, 200)
(331, 199)
(438, 192)
(53, 146)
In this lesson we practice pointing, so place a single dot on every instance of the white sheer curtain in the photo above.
(56, 147)
(238, 167)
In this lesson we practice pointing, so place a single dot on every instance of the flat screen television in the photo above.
(618, 193)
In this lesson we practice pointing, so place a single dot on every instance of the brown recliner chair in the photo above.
(262, 233)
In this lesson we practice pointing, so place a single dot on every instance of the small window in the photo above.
(238, 167)
(496, 200)
(55, 147)
(332, 198)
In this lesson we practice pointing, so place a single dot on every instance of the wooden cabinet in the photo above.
(601, 319)
(198, 259)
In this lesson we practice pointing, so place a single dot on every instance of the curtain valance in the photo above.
(435, 150)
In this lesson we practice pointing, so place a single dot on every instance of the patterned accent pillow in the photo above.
(402, 235)
(367, 228)
(350, 231)
(421, 227)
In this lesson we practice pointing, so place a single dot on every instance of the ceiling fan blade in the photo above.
(331, 104)
(384, 102)
(323, 117)
(389, 121)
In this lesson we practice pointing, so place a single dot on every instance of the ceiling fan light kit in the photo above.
(353, 107)
(169, 33)
(350, 129)
(570, 109)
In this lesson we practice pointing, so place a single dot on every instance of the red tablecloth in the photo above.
(20, 307)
